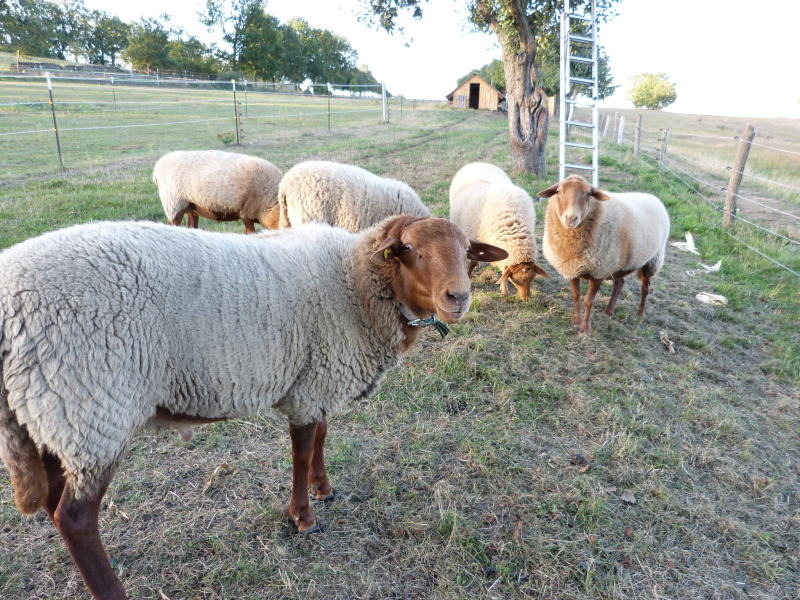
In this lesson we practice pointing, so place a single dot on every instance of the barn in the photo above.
(476, 93)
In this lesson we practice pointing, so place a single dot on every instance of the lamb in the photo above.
(591, 234)
(490, 208)
(97, 339)
(216, 185)
(343, 195)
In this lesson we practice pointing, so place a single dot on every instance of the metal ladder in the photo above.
(574, 52)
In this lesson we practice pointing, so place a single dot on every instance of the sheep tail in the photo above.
(21, 457)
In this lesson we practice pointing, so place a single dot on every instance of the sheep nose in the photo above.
(570, 219)
(459, 297)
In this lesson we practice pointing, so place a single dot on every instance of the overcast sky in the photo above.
(726, 57)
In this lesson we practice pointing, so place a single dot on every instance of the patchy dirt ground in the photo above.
(513, 459)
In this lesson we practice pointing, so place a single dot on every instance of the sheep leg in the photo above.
(192, 220)
(615, 291)
(588, 300)
(575, 288)
(178, 218)
(249, 227)
(77, 522)
(300, 511)
(317, 477)
(55, 482)
(645, 291)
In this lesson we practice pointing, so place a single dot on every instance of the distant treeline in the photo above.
(256, 44)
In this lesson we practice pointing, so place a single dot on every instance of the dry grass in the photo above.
(493, 464)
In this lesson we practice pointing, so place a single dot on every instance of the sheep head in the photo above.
(428, 256)
(574, 199)
(521, 275)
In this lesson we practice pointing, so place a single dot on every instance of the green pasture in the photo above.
(511, 460)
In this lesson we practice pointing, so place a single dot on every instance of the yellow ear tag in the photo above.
(387, 253)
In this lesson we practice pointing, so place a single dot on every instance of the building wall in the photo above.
(487, 99)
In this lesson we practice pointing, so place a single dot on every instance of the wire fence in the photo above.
(765, 206)
(83, 121)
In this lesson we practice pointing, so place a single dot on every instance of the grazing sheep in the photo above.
(98, 338)
(490, 208)
(216, 185)
(591, 234)
(343, 195)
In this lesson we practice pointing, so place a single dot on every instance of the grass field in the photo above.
(511, 460)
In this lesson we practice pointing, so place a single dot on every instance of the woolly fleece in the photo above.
(343, 195)
(490, 208)
(623, 233)
(220, 181)
(99, 326)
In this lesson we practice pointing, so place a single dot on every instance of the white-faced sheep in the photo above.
(216, 185)
(98, 338)
(343, 195)
(595, 235)
(490, 208)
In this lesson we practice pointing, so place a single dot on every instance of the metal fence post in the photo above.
(55, 123)
(236, 112)
(114, 93)
(329, 113)
(385, 103)
(637, 136)
(245, 97)
(737, 171)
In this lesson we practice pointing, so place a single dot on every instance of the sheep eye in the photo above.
(406, 247)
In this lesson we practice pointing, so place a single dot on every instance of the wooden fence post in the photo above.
(637, 136)
(663, 151)
(236, 114)
(621, 130)
(736, 174)
(606, 120)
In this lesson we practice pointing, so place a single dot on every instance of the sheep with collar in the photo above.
(98, 339)
(343, 195)
(591, 234)
(217, 185)
(489, 207)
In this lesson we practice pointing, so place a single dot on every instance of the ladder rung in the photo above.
(579, 145)
(579, 17)
(580, 102)
(584, 167)
(581, 59)
(581, 80)
(580, 38)
(579, 124)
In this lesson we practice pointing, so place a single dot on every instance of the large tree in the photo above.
(104, 38)
(519, 26)
(148, 45)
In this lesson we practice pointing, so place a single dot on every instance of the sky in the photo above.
(725, 57)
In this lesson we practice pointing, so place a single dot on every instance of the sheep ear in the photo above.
(485, 252)
(386, 252)
(599, 194)
(504, 277)
(540, 271)
(551, 191)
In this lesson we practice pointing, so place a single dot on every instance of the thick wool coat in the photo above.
(102, 324)
(490, 208)
(222, 182)
(343, 195)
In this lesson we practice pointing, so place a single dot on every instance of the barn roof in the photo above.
(473, 76)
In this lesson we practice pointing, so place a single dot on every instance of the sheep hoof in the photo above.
(315, 528)
(329, 497)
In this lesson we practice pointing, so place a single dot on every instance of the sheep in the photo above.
(97, 339)
(216, 185)
(343, 195)
(490, 208)
(592, 234)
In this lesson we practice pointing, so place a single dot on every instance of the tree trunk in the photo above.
(527, 102)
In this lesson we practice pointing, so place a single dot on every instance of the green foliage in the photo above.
(104, 38)
(652, 91)
(148, 46)
(492, 72)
